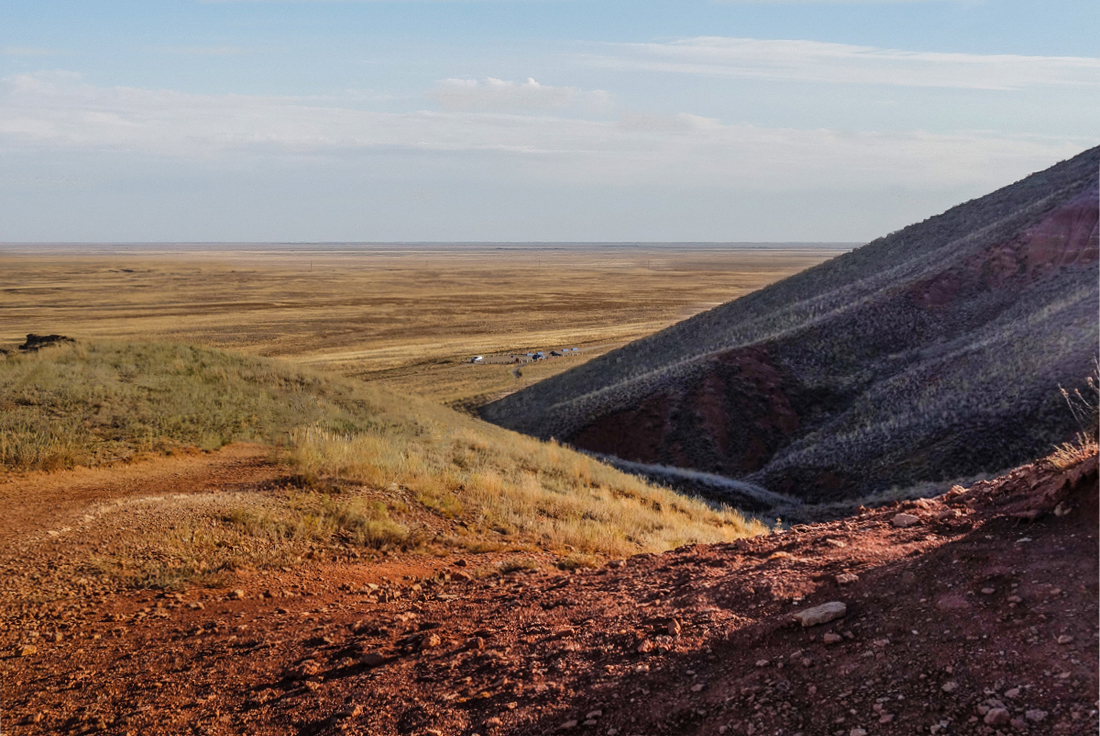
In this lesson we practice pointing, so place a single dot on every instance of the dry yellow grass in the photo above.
(376, 469)
(410, 472)
(406, 316)
(511, 487)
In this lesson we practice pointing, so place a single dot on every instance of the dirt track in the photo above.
(971, 611)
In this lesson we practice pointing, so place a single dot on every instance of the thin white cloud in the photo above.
(58, 114)
(499, 94)
(813, 61)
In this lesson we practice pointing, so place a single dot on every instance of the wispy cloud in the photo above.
(813, 61)
(59, 112)
(498, 94)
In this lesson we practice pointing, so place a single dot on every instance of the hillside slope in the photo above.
(980, 619)
(929, 354)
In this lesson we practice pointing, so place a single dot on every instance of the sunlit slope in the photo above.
(933, 352)
(350, 446)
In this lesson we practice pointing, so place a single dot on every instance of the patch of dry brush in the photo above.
(366, 468)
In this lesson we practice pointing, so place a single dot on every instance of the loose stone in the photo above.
(903, 521)
(822, 614)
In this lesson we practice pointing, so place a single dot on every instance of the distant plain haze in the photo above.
(528, 120)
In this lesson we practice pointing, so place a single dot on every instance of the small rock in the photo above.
(430, 642)
(372, 659)
(28, 651)
(857, 731)
(988, 591)
(822, 614)
(350, 711)
(996, 717)
(903, 521)
(1018, 723)
(570, 724)
(674, 628)
(460, 563)
(947, 514)
(761, 663)
(306, 669)
(1015, 599)
(697, 687)
(847, 578)
(236, 595)
(831, 638)
(196, 606)
(1036, 715)
(593, 714)
(1065, 639)
(1012, 692)
(950, 686)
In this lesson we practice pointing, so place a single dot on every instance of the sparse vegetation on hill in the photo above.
(94, 403)
(374, 469)
(933, 352)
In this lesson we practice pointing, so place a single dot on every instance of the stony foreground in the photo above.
(977, 615)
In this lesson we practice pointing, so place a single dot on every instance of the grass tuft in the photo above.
(372, 469)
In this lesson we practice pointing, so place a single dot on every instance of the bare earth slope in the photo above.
(932, 353)
(980, 618)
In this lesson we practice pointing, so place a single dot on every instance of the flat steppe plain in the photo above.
(408, 315)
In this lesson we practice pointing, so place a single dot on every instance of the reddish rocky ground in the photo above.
(979, 618)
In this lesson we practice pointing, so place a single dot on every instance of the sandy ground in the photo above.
(979, 618)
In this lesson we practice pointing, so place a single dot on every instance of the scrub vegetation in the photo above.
(364, 467)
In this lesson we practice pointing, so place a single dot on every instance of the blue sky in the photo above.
(591, 120)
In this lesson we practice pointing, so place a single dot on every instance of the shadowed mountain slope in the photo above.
(929, 354)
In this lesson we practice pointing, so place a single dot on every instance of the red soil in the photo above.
(988, 603)
(735, 415)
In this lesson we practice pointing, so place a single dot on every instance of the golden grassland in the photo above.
(407, 316)
(366, 467)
